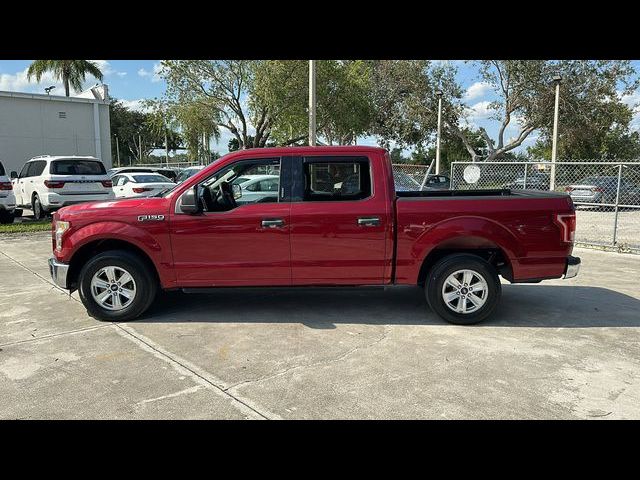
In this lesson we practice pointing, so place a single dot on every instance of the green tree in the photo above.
(137, 134)
(71, 73)
(453, 149)
(405, 101)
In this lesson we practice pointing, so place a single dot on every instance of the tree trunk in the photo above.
(66, 85)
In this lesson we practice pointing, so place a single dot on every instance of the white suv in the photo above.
(47, 183)
(7, 200)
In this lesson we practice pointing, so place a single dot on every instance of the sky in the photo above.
(132, 81)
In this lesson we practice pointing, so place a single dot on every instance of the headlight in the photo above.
(61, 227)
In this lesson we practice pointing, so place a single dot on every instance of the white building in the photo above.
(34, 124)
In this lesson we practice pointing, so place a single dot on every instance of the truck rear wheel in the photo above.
(116, 286)
(463, 289)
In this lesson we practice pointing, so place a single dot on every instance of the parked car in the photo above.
(129, 185)
(7, 198)
(603, 189)
(258, 188)
(47, 183)
(170, 173)
(406, 183)
(454, 244)
(188, 172)
(534, 181)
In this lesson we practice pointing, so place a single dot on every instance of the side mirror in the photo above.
(189, 201)
(13, 174)
(237, 191)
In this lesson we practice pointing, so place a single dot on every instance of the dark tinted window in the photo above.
(336, 181)
(36, 168)
(2, 169)
(77, 167)
(25, 169)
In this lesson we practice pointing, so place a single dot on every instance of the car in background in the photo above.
(603, 189)
(170, 173)
(533, 181)
(407, 183)
(47, 183)
(142, 184)
(188, 172)
(7, 199)
(257, 188)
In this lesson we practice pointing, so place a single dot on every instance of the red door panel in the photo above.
(233, 248)
(330, 247)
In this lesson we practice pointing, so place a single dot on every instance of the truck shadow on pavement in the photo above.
(321, 308)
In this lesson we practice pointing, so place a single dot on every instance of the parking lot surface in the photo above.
(559, 349)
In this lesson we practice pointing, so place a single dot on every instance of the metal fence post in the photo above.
(451, 184)
(615, 220)
(525, 176)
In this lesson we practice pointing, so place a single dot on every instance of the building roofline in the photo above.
(51, 98)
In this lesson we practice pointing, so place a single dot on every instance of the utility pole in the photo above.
(117, 150)
(139, 148)
(166, 147)
(439, 94)
(312, 103)
(554, 148)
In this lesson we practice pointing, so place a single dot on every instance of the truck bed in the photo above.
(521, 225)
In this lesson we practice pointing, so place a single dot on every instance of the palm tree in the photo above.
(70, 72)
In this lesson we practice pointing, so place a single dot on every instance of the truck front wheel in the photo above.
(116, 286)
(463, 289)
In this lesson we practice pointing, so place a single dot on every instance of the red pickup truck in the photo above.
(311, 216)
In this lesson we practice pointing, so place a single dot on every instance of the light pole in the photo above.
(117, 149)
(312, 103)
(439, 94)
(48, 89)
(554, 148)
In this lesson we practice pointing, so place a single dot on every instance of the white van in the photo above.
(7, 199)
(47, 183)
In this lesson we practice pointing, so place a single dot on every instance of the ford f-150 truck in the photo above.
(335, 219)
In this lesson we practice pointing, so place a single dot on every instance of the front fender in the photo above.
(111, 230)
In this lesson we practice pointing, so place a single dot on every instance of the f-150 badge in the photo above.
(150, 218)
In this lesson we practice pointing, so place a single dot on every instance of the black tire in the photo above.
(449, 265)
(145, 281)
(6, 217)
(38, 211)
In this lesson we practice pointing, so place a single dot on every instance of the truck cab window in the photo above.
(217, 192)
(337, 181)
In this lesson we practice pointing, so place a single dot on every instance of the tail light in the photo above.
(53, 184)
(107, 183)
(568, 189)
(141, 189)
(567, 224)
(5, 186)
(597, 189)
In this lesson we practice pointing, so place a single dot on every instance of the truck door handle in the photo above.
(273, 222)
(369, 221)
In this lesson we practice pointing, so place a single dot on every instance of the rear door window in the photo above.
(77, 167)
(36, 168)
(340, 180)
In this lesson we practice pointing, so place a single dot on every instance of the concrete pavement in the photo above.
(559, 349)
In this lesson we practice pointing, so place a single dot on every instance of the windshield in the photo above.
(77, 167)
(150, 179)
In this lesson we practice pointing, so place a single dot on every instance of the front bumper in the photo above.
(58, 272)
(572, 268)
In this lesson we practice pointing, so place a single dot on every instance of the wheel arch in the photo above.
(97, 246)
(488, 250)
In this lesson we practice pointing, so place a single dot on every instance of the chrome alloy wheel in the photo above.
(465, 291)
(113, 288)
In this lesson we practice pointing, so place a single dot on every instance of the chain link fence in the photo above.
(606, 194)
